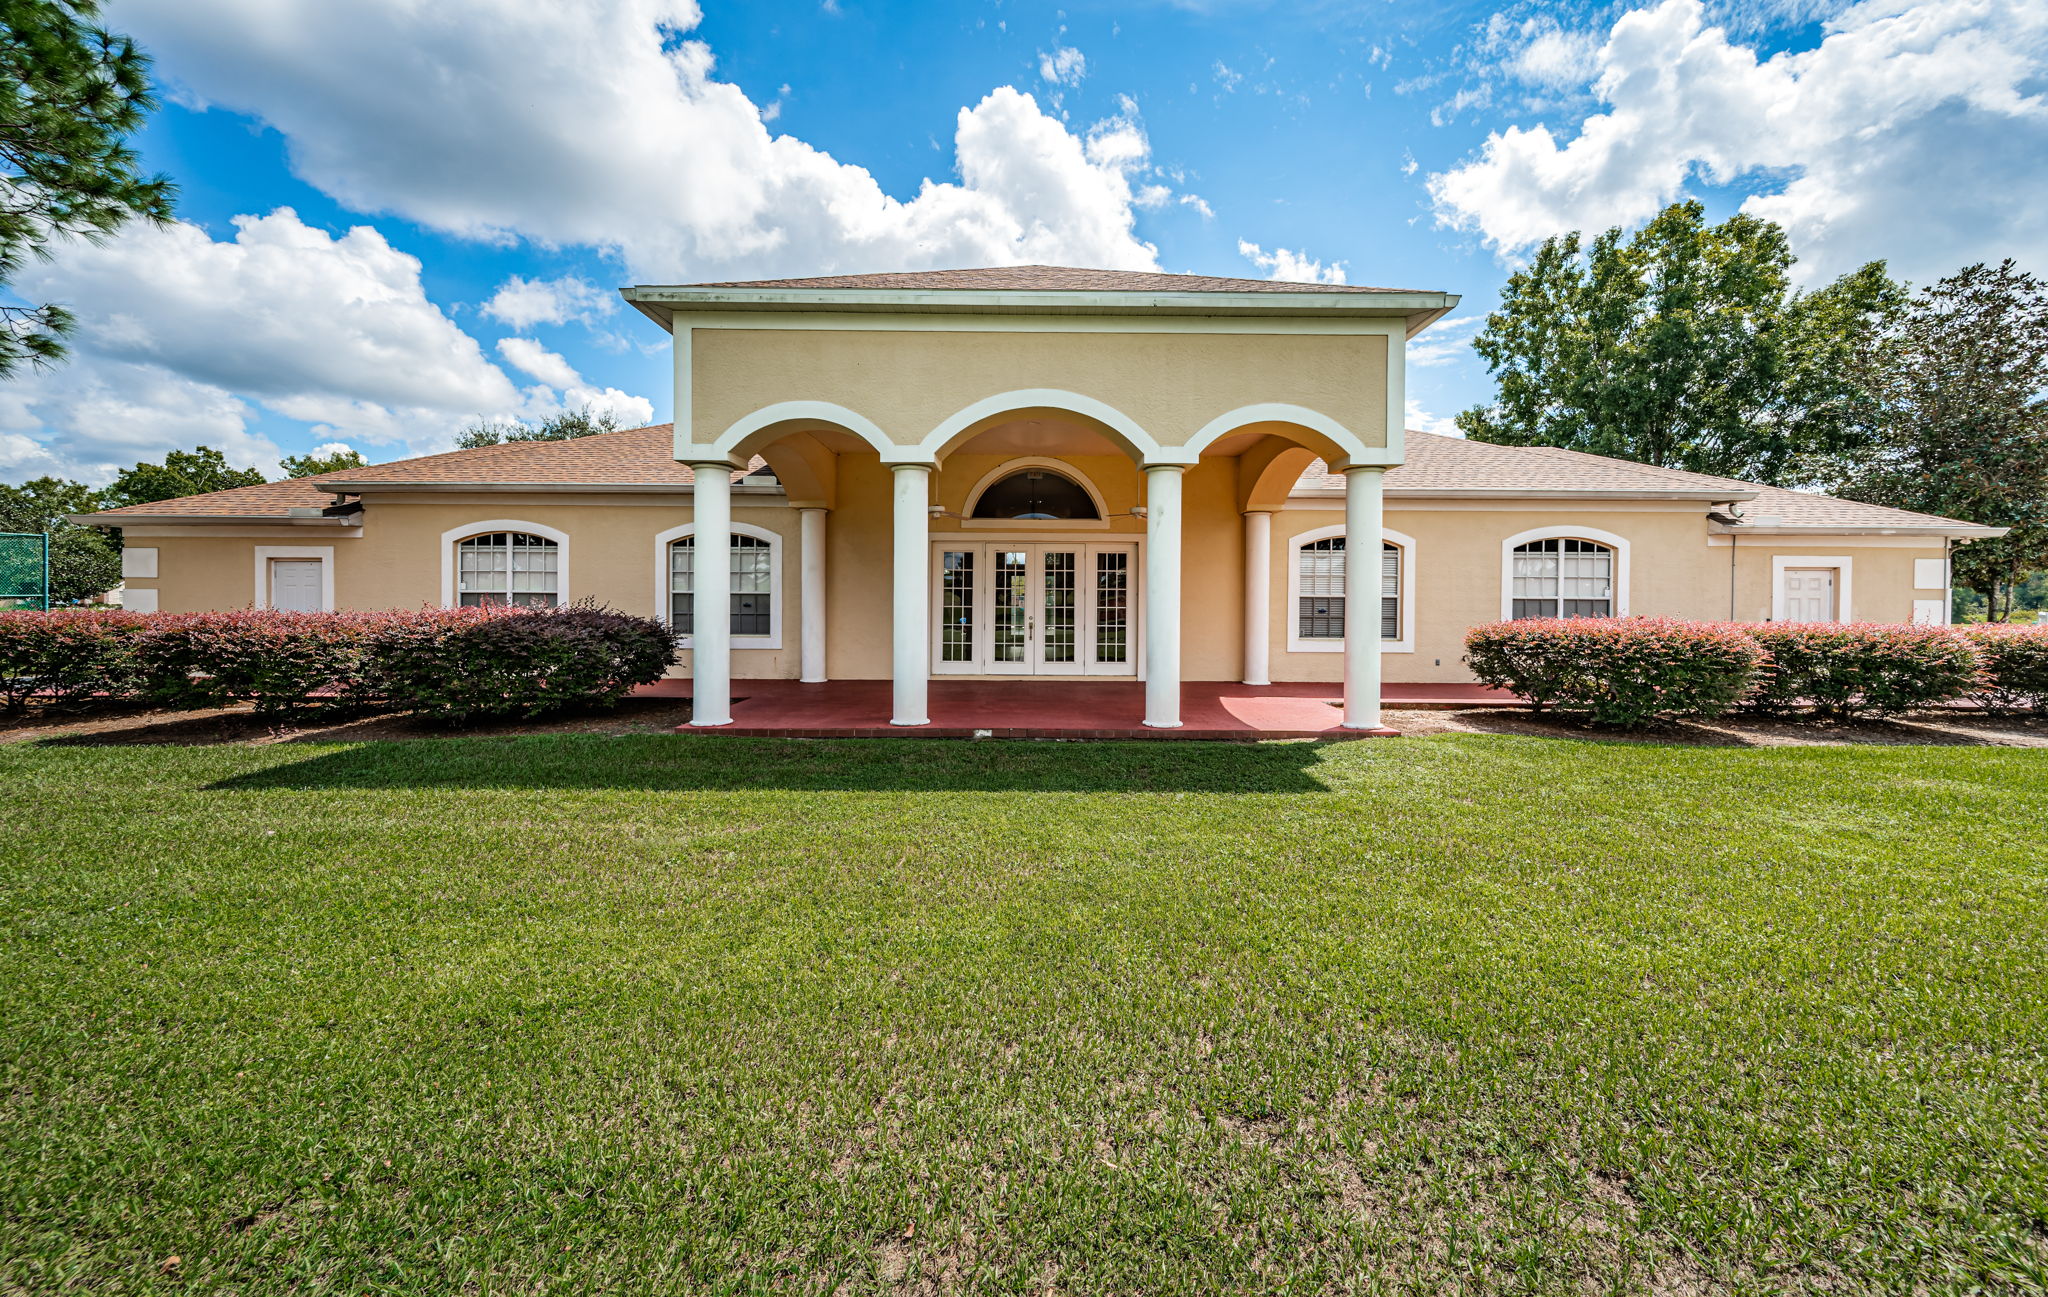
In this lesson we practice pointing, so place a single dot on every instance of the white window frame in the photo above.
(456, 535)
(1844, 570)
(324, 553)
(1100, 522)
(1296, 643)
(1619, 544)
(776, 541)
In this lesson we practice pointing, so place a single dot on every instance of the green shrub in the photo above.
(1619, 671)
(67, 656)
(474, 662)
(2015, 660)
(1851, 669)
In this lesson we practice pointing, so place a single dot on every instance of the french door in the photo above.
(1034, 609)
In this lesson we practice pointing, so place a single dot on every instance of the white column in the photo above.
(811, 593)
(1162, 595)
(912, 664)
(711, 596)
(1362, 523)
(1258, 597)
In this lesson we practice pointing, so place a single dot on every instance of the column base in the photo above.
(1374, 731)
(910, 724)
(1255, 683)
(1162, 725)
(710, 725)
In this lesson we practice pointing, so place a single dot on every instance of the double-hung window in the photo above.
(1562, 576)
(752, 610)
(1319, 607)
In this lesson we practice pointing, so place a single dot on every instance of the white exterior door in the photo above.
(1034, 609)
(295, 584)
(1809, 593)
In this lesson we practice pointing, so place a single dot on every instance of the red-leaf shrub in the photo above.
(2015, 660)
(277, 660)
(1619, 671)
(516, 662)
(68, 655)
(1863, 668)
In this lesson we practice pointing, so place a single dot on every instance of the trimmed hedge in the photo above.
(1619, 671)
(280, 661)
(2015, 661)
(68, 655)
(455, 663)
(519, 663)
(1864, 669)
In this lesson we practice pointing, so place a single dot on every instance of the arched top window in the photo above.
(752, 610)
(497, 568)
(1035, 494)
(1563, 576)
(1318, 579)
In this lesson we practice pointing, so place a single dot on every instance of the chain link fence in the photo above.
(24, 570)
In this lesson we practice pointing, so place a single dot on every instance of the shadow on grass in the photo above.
(663, 763)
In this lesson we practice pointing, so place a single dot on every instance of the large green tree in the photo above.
(316, 462)
(1960, 428)
(183, 472)
(566, 426)
(1682, 345)
(70, 95)
(84, 561)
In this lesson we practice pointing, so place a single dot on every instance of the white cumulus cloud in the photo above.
(1295, 267)
(523, 303)
(1916, 131)
(185, 340)
(534, 359)
(603, 126)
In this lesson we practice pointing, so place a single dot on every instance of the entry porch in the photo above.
(1065, 709)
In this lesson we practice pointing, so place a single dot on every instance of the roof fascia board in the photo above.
(206, 520)
(535, 488)
(1507, 494)
(1961, 529)
(1035, 301)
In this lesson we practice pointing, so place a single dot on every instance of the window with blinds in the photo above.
(1319, 612)
(753, 590)
(508, 567)
(1560, 576)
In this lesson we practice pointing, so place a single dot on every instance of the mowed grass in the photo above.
(660, 1014)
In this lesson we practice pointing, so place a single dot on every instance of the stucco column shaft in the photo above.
(1258, 596)
(711, 595)
(1162, 595)
(1362, 524)
(912, 657)
(811, 593)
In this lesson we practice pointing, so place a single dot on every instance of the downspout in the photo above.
(1731, 520)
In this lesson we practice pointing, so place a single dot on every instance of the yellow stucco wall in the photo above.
(908, 383)
(396, 562)
(1673, 572)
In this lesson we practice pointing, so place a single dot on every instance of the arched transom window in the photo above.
(1562, 576)
(753, 585)
(1319, 610)
(508, 567)
(1035, 494)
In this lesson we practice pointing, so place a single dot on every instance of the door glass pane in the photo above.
(956, 606)
(1012, 600)
(1061, 610)
(1112, 606)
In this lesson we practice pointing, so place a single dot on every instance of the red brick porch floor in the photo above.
(1059, 709)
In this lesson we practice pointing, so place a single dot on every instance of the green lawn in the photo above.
(657, 1014)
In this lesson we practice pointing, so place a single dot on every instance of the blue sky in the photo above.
(396, 217)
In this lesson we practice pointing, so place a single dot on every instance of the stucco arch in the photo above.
(1113, 423)
(807, 469)
(1267, 472)
(749, 434)
(1334, 443)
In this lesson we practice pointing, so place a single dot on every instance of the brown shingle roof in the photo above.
(1453, 464)
(1048, 279)
(641, 457)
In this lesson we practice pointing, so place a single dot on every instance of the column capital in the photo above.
(710, 459)
(1165, 468)
(922, 468)
(1376, 469)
